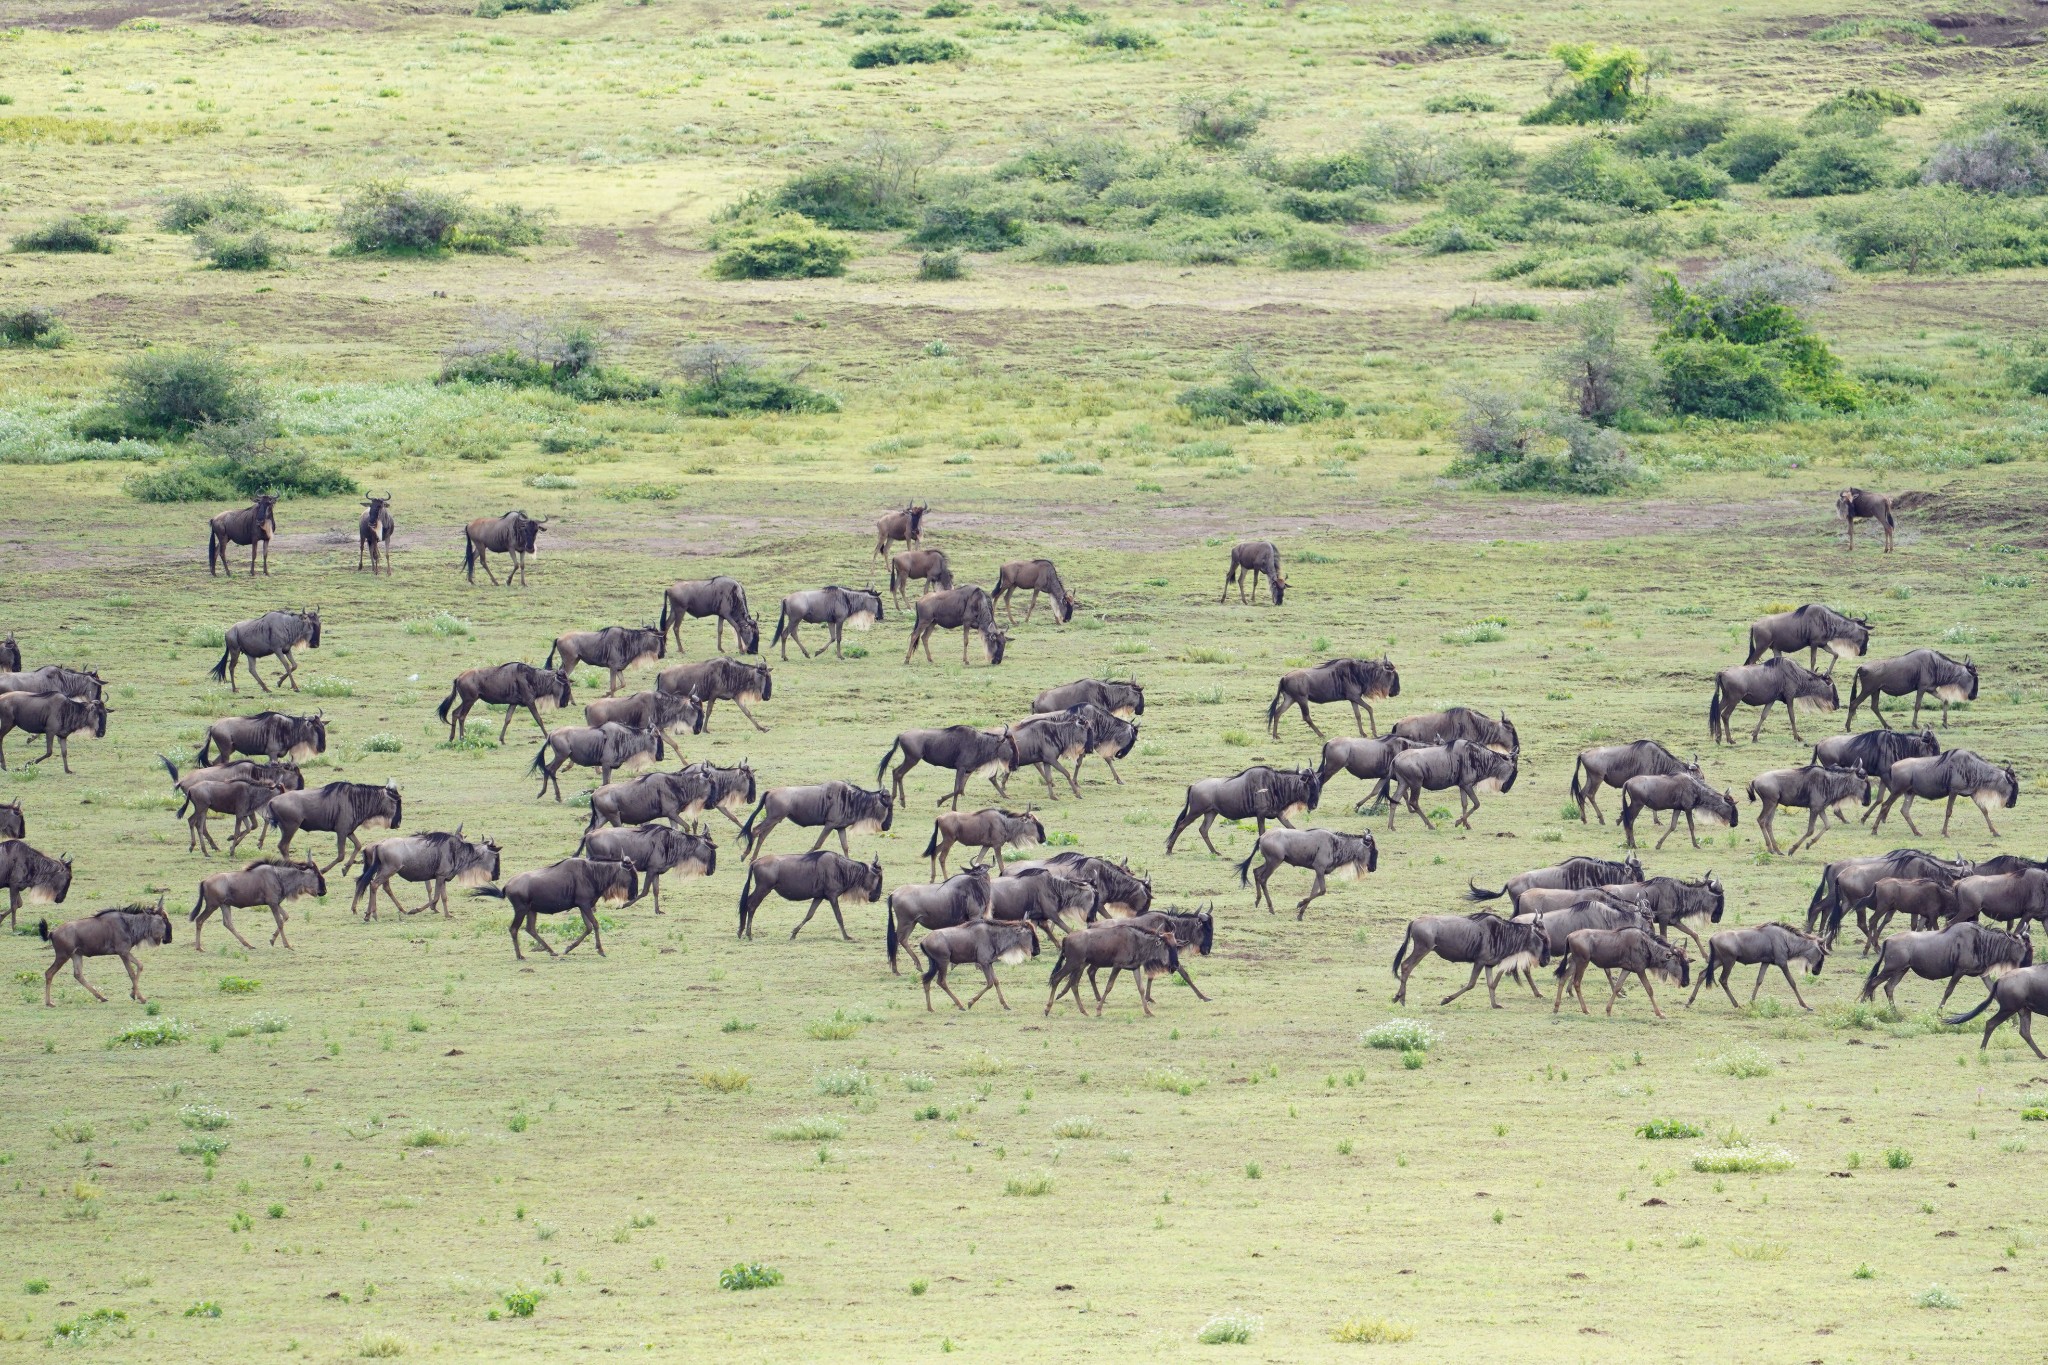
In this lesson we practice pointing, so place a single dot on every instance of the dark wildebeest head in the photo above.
(32, 878)
(12, 823)
(10, 655)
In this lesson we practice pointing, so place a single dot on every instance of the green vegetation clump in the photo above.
(1594, 171)
(1465, 33)
(1249, 396)
(1224, 120)
(1752, 148)
(1940, 228)
(964, 227)
(175, 392)
(394, 217)
(1401, 1035)
(234, 205)
(728, 381)
(1119, 38)
(1228, 1329)
(908, 52)
(1837, 163)
(940, 265)
(749, 1275)
(1371, 1332)
(792, 249)
(77, 233)
(567, 357)
(1867, 100)
(2011, 161)
(1604, 86)
(1659, 1129)
(1460, 102)
(1737, 348)
(1565, 455)
(491, 9)
(255, 250)
(34, 326)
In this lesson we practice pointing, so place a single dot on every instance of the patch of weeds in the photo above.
(1760, 1251)
(1029, 1186)
(381, 1346)
(844, 1082)
(984, 1063)
(1657, 1129)
(745, 1275)
(521, 1303)
(836, 1029)
(207, 1117)
(88, 1327)
(1371, 1332)
(917, 1082)
(427, 1135)
(1228, 1329)
(818, 1128)
(151, 1033)
(1079, 1127)
(1748, 1160)
(1746, 1063)
(239, 985)
(725, 1080)
(1170, 1080)
(1934, 1296)
(1897, 1158)
(1479, 633)
(1404, 1035)
(444, 624)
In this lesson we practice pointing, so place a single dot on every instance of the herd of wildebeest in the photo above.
(1968, 918)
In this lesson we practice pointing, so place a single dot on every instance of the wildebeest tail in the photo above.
(540, 759)
(219, 672)
(1714, 710)
(894, 943)
(468, 557)
(214, 553)
(1244, 869)
(883, 766)
(1823, 895)
(1870, 981)
(664, 614)
(1402, 951)
(551, 654)
(198, 902)
(1564, 965)
(1578, 790)
(781, 620)
(747, 830)
(931, 848)
(1473, 893)
(746, 889)
(43, 929)
(494, 892)
(169, 767)
(369, 869)
(1966, 1018)
(1273, 710)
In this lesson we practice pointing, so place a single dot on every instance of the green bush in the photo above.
(393, 216)
(1938, 228)
(1320, 251)
(1495, 312)
(75, 234)
(789, 252)
(1867, 99)
(1221, 120)
(725, 381)
(499, 228)
(948, 9)
(908, 52)
(1688, 178)
(36, 326)
(942, 265)
(2009, 161)
(1465, 33)
(1714, 378)
(1460, 102)
(1327, 206)
(491, 9)
(234, 205)
(2030, 375)
(1752, 149)
(240, 251)
(2028, 112)
(1580, 272)
(1394, 161)
(1591, 170)
(1604, 87)
(1250, 397)
(967, 228)
(848, 197)
(1591, 462)
(1120, 38)
(1677, 130)
(749, 1275)
(218, 478)
(170, 393)
(1839, 163)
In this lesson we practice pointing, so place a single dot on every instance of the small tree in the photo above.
(1602, 376)
(1492, 427)
(171, 393)
(1604, 86)
(390, 215)
(2009, 161)
(1221, 120)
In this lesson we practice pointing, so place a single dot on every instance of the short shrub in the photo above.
(1119, 38)
(1839, 163)
(1401, 1035)
(34, 326)
(1934, 1296)
(948, 9)
(2010, 161)
(1495, 312)
(968, 228)
(908, 52)
(1465, 33)
(795, 251)
(1224, 120)
(1460, 102)
(74, 234)
(499, 228)
(521, 1303)
(1688, 178)
(1592, 462)
(1938, 228)
(158, 1032)
(171, 393)
(725, 1080)
(240, 251)
(1591, 170)
(1250, 397)
(1752, 148)
(1677, 130)
(940, 265)
(1605, 86)
(749, 1275)
(239, 985)
(850, 197)
(748, 391)
(1659, 1129)
(1897, 1158)
(1868, 99)
(1743, 1160)
(234, 205)
(1316, 250)
(845, 1082)
(1228, 1329)
(218, 477)
(818, 1128)
(1713, 378)
(393, 216)
(1028, 1186)
(1327, 206)
(1581, 272)
(1371, 1332)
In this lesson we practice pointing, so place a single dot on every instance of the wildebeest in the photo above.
(963, 609)
(1610, 765)
(1124, 699)
(819, 876)
(980, 943)
(32, 878)
(510, 685)
(1044, 896)
(968, 752)
(55, 680)
(1672, 903)
(1122, 946)
(956, 900)
(1876, 750)
(252, 526)
(373, 534)
(1370, 759)
(721, 597)
(1960, 950)
(10, 655)
(1044, 742)
(1190, 929)
(1860, 504)
(607, 748)
(989, 831)
(1361, 682)
(1764, 947)
(57, 718)
(1039, 576)
(1816, 789)
(1766, 685)
(1248, 562)
(1258, 793)
(1812, 628)
(275, 633)
(828, 807)
(1491, 944)
(1848, 883)
(1460, 722)
(1573, 874)
(1628, 951)
(1925, 902)
(285, 776)
(670, 713)
(268, 882)
(684, 795)
(110, 933)
(1590, 909)
(1678, 794)
(834, 608)
(1325, 852)
(1959, 772)
(1920, 673)
(1119, 890)
(13, 824)
(2023, 992)
(1110, 737)
(436, 858)
(272, 734)
(515, 534)
(579, 884)
(721, 679)
(242, 799)
(343, 809)
(614, 649)
(2011, 897)
(653, 850)
(1471, 768)
(930, 567)
(906, 526)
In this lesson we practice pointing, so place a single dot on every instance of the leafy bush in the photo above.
(1868, 99)
(1604, 86)
(1120, 38)
(1591, 170)
(393, 216)
(1460, 102)
(1401, 1035)
(76, 234)
(1250, 397)
(171, 393)
(726, 381)
(791, 251)
(35, 326)
(1228, 1329)
(1492, 427)
(969, 228)
(1677, 130)
(219, 478)
(1396, 161)
(1577, 458)
(244, 251)
(846, 197)
(157, 1032)
(1580, 272)
(908, 52)
(1659, 1129)
(2009, 161)
(498, 228)
(1315, 250)
(521, 1303)
(234, 205)
(1465, 33)
(1751, 307)
(941, 265)
(1327, 206)
(1743, 1160)
(1494, 312)
(1940, 228)
(1223, 120)
(749, 1275)
(1752, 149)
(535, 352)
(1688, 177)
(1715, 378)
(1371, 1332)
(949, 9)
(1839, 163)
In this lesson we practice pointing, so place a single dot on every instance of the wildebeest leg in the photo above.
(1112, 769)
(277, 913)
(1072, 785)
(1647, 990)
(1952, 983)
(134, 975)
(1404, 970)
(989, 970)
(743, 711)
(532, 918)
(1144, 984)
(807, 916)
(227, 919)
(1261, 891)
(1766, 822)
(1816, 825)
(590, 931)
(341, 850)
(1673, 830)
(1314, 891)
(1476, 969)
(2027, 1032)
(1203, 831)
(290, 667)
(78, 970)
(1906, 814)
(940, 966)
(840, 918)
(1467, 803)
(1763, 716)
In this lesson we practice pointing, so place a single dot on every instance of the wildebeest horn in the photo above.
(65, 859)
(458, 829)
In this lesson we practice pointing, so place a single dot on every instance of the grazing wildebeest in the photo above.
(1491, 944)
(579, 884)
(956, 900)
(343, 809)
(1118, 889)
(273, 734)
(673, 715)
(13, 825)
(1959, 772)
(510, 685)
(683, 796)
(1763, 947)
(828, 807)
(55, 680)
(1812, 628)
(820, 876)
(1860, 504)
(928, 566)
(2011, 897)
(1044, 742)
(1610, 765)
(834, 608)
(2025, 993)
(963, 609)
(273, 633)
(1920, 673)
(1628, 951)
(1258, 793)
(1325, 852)
(906, 526)
(1040, 577)
(1876, 750)
(980, 943)
(1123, 699)
(32, 878)
(606, 748)
(721, 679)
(1961, 950)
(1247, 562)
(721, 597)
(1110, 737)
(1765, 685)
(989, 831)
(653, 850)
(268, 882)
(1573, 874)
(614, 649)
(1361, 682)
(1043, 896)
(1672, 903)
(244, 800)
(57, 718)
(968, 752)
(1370, 759)
(373, 534)
(1123, 947)
(1816, 789)
(10, 655)
(1460, 722)
(1680, 793)
(515, 534)
(1189, 929)
(252, 526)
(436, 858)
(110, 933)
(1471, 768)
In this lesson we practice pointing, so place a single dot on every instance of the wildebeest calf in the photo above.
(1122, 946)
(1325, 852)
(981, 943)
(110, 933)
(1628, 951)
(1679, 794)
(268, 882)
(1816, 789)
(579, 884)
(990, 831)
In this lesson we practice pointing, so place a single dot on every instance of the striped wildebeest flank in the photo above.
(1876, 750)
(579, 884)
(1194, 929)
(55, 680)
(721, 679)
(1592, 908)
(110, 933)
(285, 776)
(721, 598)
(1471, 768)
(1860, 504)
(10, 655)
(269, 882)
(1258, 793)
(1491, 944)
(823, 876)
(1123, 947)
(930, 567)
(343, 809)
(1110, 737)
(373, 534)
(1573, 874)
(1925, 904)
(614, 649)
(272, 734)
(1849, 883)
(1045, 742)
(1766, 685)
(1369, 759)
(1675, 795)
(1497, 733)
(978, 943)
(1631, 952)
(835, 608)
(1672, 903)
(1953, 953)
(906, 526)
(242, 799)
(964, 609)
(436, 858)
(511, 686)
(671, 713)
(680, 797)
(1122, 699)
(1325, 852)
(986, 831)
(828, 807)
(58, 719)
(2023, 993)
(273, 634)
(1250, 561)
(1039, 576)
(1959, 772)
(1919, 674)
(968, 752)
(13, 824)
(1045, 897)
(2010, 897)
(32, 878)
(515, 534)
(253, 526)
(962, 897)
(1361, 682)
(1812, 628)
(1763, 947)
(654, 850)
(1817, 789)
(1119, 891)
(607, 748)
(1610, 765)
